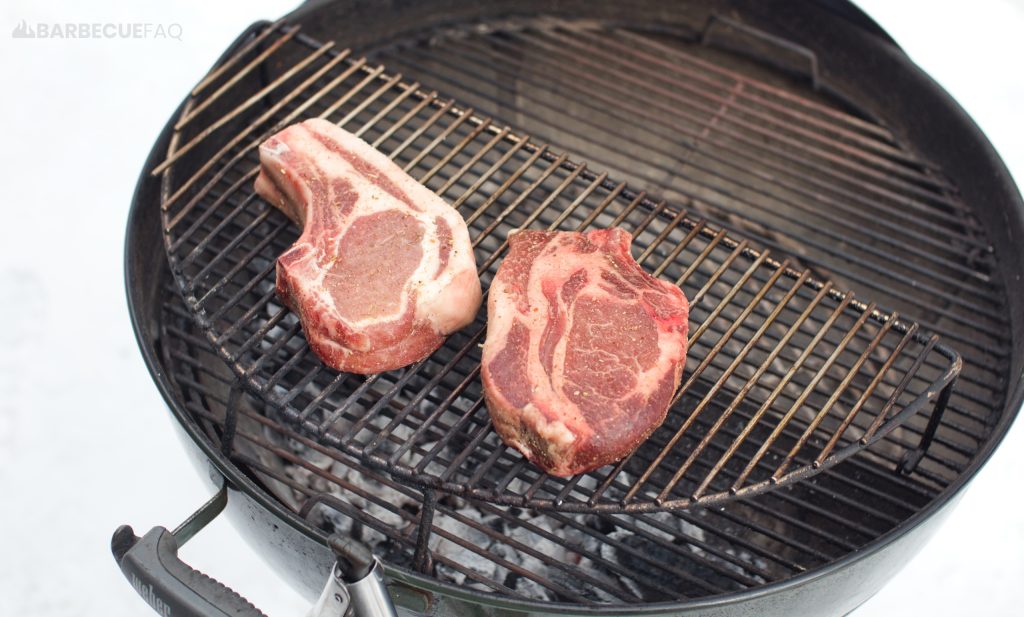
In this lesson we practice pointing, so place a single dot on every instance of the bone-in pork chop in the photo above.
(383, 270)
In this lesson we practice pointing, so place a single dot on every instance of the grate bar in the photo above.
(235, 77)
(314, 405)
(495, 140)
(434, 416)
(799, 402)
(429, 99)
(477, 130)
(550, 199)
(932, 340)
(234, 113)
(832, 400)
(593, 89)
(442, 110)
(596, 93)
(233, 142)
(441, 138)
(723, 340)
(371, 75)
(191, 256)
(386, 87)
(222, 283)
(300, 385)
(880, 131)
(407, 91)
(421, 394)
(487, 175)
(245, 289)
(983, 309)
(804, 102)
(527, 165)
(353, 512)
(219, 71)
(523, 196)
(288, 365)
(790, 332)
(782, 384)
(740, 357)
(457, 427)
(672, 226)
(342, 506)
(270, 323)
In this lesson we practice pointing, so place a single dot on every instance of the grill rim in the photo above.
(143, 292)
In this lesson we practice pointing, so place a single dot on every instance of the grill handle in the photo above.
(168, 584)
(172, 587)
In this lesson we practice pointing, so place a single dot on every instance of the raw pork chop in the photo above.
(584, 349)
(384, 269)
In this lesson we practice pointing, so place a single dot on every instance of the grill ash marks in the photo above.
(584, 349)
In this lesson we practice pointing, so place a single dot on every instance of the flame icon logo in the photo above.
(23, 31)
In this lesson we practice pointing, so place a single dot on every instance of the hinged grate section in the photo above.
(786, 375)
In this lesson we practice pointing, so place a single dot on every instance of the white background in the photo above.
(85, 441)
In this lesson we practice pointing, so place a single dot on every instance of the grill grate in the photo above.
(580, 558)
(762, 153)
(786, 375)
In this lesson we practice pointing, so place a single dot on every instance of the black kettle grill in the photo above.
(849, 241)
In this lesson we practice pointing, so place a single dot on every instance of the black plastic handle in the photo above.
(165, 582)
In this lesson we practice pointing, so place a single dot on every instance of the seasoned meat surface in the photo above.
(584, 349)
(384, 269)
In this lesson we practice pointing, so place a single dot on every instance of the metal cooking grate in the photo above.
(776, 156)
(579, 558)
(786, 375)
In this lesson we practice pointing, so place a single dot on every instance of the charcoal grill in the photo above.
(816, 431)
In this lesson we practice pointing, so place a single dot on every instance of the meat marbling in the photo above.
(584, 349)
(384, 269)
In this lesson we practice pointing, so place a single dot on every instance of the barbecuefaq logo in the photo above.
(96, 30)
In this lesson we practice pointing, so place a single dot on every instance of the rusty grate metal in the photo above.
(786, 374)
